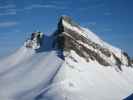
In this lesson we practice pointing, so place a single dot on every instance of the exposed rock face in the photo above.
(128, 58)
(68, 37)
(35, 41)
(132, 61)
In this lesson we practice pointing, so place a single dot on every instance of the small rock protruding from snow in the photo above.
(35, 41)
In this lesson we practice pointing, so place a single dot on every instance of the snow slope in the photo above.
(43, 75)
(89, 81)
(29, 76)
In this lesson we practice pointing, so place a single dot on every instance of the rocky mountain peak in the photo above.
(72, 37)
(66, 18)
(65, 22)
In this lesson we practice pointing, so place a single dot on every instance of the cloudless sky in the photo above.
(112, 20)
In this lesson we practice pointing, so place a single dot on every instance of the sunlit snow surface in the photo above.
(27, 75)
(43, 75)
(24, 74)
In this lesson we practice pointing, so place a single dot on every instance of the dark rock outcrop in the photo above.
(66, 40)
(118, 62)
(132, 62)
(128, 58)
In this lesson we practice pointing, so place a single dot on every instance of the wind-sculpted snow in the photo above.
(44, 76)
(18, 57)
(26, 78)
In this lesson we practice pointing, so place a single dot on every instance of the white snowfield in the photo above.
(24, 74)
(27, 75)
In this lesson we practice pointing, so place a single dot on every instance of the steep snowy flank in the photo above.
(26, 78)
(72, 64)
(79, 80)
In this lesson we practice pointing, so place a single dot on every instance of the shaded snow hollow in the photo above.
(43, 75)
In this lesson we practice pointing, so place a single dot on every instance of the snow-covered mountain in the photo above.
(72, 37)
(72, 64)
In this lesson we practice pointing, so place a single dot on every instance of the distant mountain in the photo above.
(72, 64)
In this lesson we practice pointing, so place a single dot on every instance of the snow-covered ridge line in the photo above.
(89, 35)
(76, 29)
(74, 33)
(92, 36)
(90, 47)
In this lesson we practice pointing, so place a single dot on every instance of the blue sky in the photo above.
(112, 20)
